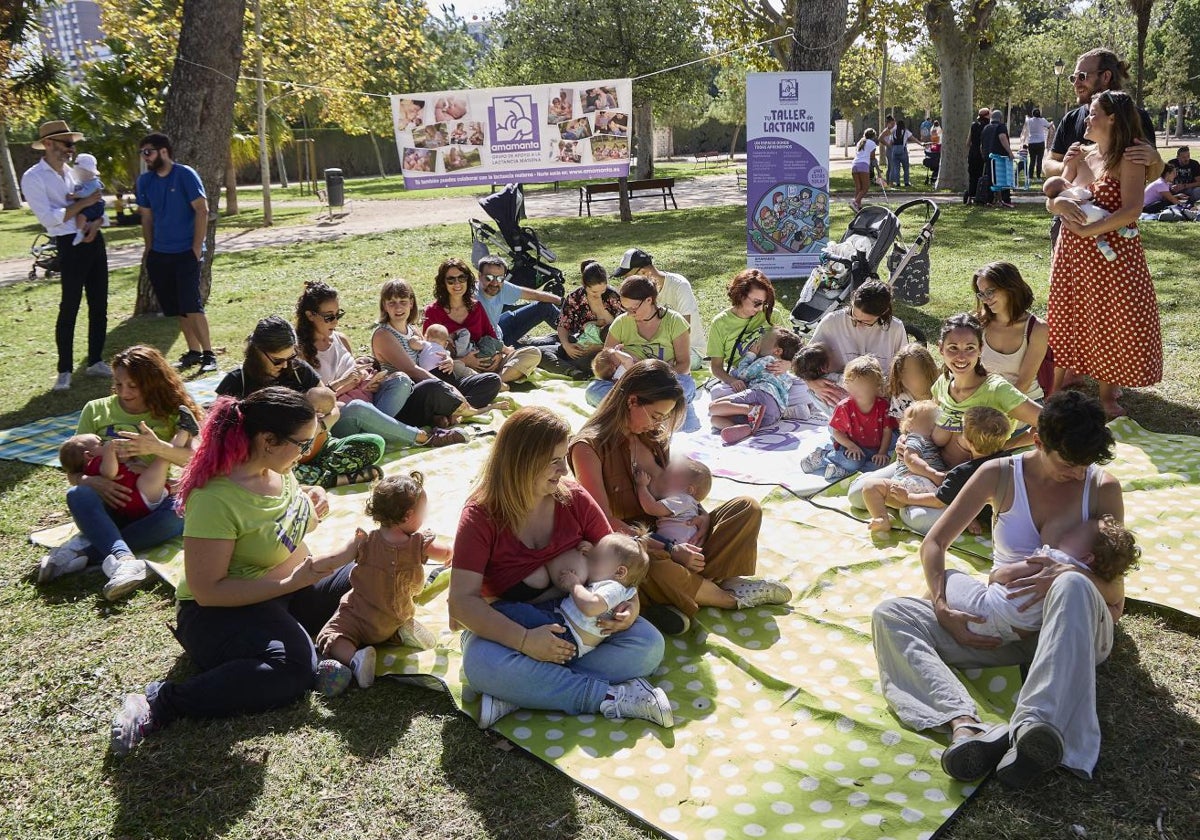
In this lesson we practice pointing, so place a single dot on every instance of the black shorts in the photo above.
(175, 279)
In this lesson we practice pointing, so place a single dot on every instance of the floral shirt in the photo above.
(576, 313)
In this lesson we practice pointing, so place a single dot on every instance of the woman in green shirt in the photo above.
(252, 595)
(751, 311)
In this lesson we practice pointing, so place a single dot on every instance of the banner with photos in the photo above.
(787, 171)
(527, 134)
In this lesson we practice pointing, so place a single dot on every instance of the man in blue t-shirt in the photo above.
(496, 292)
(174, 211)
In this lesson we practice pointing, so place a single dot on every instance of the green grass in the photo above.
(397, 761)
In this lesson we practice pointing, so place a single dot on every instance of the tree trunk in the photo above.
(820, 40)
(378, 154)
(231, 197)
(643, 136)
(199, 110)
(10, 189)
(1179, 121)
(737, 130)
(279, 163)
(1143, 27)
(882, 83)
(623, 200)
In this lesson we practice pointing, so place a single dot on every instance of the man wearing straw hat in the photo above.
(48, 186)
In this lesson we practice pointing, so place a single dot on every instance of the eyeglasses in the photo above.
(656, 419)
(985, 294)
(281, 362)
(305, 446)
(863, 322)
(495, 278)
(1080, 76)
(455, 279)
(757, 304)
(70, 144)
(330, 317)
(147, 152)
(629, 310)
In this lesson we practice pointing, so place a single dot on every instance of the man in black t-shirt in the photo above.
(1187, 174)
(974, 155)
(993, 140)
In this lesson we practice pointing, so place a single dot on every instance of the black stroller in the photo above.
(932, 161)
(528, 258)
(45, 256)
(873, 233)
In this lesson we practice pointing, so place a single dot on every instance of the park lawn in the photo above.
(398, 761)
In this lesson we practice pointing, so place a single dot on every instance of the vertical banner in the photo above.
(527, 134)
(787, 171)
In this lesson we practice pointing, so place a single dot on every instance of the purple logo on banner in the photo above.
(789, 90)
(514, 123)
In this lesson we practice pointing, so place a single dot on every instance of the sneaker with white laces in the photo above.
(814, 462)
(757, 593)
(68, 558)
(100, 368)
(131, 724)
(834, 473)
(362, 666)
(125, 574)
(63, 382)
(208, 362)
(636, 698)
(491, 709)
(414, 634)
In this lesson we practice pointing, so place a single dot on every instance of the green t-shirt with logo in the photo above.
(265, 529)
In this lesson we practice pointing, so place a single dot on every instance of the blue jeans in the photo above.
(899, 161)
(577, 688)
(95, 522)
(597, 389)
(516, 323)
(838, 457)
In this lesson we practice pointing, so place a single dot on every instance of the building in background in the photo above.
(71, 33)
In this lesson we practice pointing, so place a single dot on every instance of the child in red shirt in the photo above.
(861, 427)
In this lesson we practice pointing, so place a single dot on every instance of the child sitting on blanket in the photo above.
(612, 362)
(913, 373)
(762, 401)
(860, 427)
(336, 462)
(147, 483)
(1101, 546)
(985, 434)
(390, 571)
(688, 482)
(1059, 187)
(913, 473)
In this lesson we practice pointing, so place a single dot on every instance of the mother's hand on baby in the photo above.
(700, 523)
(113, 495)
(1035, 587)
(540, 643)
(688, 556)
(958, 624)
(142, 442)
(779, 366)
(827, 392)
(1069, 210)
(623, 617)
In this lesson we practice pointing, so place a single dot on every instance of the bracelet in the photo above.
(669, 545)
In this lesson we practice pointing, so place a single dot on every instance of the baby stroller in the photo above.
(45, 256)
(528, 258)
(873, 233)
(932, 160)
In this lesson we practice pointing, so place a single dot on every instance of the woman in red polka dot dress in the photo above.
(1103, 314)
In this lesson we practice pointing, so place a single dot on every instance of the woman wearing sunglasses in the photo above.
(369, 397)
(751, 312)
(252, 595)
(272, 360)
(456, 308)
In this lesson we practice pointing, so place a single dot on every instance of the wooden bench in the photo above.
(740, 174)
(705, 157)
(612, 192)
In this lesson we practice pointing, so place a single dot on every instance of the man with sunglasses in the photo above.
(174, 209)
(496, 292)
(48, 186)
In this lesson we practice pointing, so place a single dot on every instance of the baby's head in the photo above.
(779, 342)
(986, 430)
(1105, 545)
(913, 371)
(322, 399)
(863, 378)
(398, 501)
(609, 364)
(811, 361)
(77, 450)
(438, 334)
(687, 475)
(920, 418)
(619, 557)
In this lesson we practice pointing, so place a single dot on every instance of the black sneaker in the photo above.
(187, 421)
(189, 359)
(669, 620)
(208, 362)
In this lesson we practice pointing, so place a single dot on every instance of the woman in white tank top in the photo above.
(1012, 347)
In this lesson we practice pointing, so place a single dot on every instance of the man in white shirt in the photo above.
(674, 292)
(1034, 133)
(47, 186)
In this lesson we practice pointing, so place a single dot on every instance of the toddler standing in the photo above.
(861, 427)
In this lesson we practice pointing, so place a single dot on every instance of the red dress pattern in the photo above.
(1103, 315)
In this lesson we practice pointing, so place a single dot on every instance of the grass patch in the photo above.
(398, 761)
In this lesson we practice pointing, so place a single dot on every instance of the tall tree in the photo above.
(1141, 11)
(23, 77)
(955, 27)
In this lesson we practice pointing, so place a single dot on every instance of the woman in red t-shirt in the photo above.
(522, 514)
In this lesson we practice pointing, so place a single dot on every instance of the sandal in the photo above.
(363, 476)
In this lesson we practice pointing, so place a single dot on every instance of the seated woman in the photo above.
(521, 515)
(1038, 497)
(456, 307)
(867, 326)
(587, 313)
(370, 399)
(633, 428)
(272, 359)
(253, 595)
(751, 312)
(646, 330)
(1014, 342)
(144, 411)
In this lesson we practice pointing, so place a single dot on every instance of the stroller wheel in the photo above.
(33, 274)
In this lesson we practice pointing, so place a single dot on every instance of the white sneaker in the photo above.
(362, 666)
(128, 573)
(62, 383)
(636, 698)
(491, 709)
(68, 558)
(100, 368)
(414, 634)
(757, 593)
(814, 461)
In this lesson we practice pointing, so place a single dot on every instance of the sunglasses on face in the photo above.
(305, 446)
(147, 152)
(495, 278)
(330, 317)
(1080, 76)
(757, 304)
(286, 360)
(456, 279)
(70, 144)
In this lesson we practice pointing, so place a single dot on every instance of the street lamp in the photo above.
(1058, 71)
